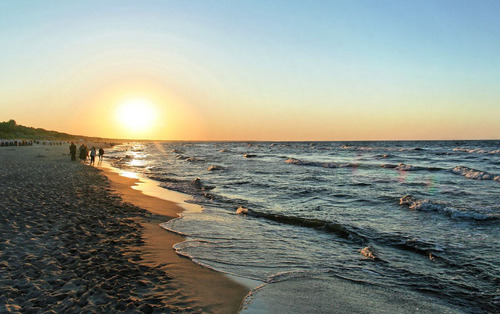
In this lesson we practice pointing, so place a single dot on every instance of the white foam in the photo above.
(368, 252)
(427, 205)
(405, 167)
(474, 174)
(214, 168)
(415, 204)
(476, 150)
(293, 161)
(358, 148)
(242, 211)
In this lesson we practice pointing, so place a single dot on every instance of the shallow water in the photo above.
(326, 215)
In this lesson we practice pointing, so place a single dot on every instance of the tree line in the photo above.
(11, 130)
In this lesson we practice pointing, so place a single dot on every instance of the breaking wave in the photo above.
(189, 158)
(390, 149)
(214, 168)
(476, 150)
(419, 246)
(427, 205)
(405, 167)
(475, 174)
(299, 162)
(342, 231)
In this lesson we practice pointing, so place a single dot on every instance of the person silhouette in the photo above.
(92, 156)
(83, 153)
(101, 154)
(72, 151)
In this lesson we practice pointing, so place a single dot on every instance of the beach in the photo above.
(76, 238)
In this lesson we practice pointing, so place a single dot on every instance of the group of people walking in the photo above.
(85, 153)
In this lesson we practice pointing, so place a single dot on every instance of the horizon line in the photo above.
(297, 141)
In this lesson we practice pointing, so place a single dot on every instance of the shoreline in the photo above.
(215, 292)
(70, 242)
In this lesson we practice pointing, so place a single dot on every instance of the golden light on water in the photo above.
(129, 174)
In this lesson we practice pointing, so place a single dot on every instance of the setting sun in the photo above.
(136, 115)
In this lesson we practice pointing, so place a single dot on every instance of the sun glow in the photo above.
(136, 116)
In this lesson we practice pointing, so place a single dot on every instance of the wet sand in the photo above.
(72, 240)
(212, 290)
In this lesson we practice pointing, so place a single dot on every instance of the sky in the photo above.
(253, 70)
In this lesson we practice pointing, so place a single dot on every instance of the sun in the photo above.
(136, 116)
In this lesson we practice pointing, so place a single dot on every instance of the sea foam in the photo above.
(474, 174)
(214, 168)
(428, 205)
(405, 167)
(476, 150)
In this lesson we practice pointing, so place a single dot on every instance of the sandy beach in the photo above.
(78, 238)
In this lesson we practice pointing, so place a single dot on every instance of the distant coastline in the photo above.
(10, 130)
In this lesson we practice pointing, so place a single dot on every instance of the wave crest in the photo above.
(369, 252)
(405, 167)
(214, 168)
(338, 229)
(299, 162)
(476, 150)
(427, 205)
(475, 174)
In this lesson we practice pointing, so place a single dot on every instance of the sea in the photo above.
(338, 227)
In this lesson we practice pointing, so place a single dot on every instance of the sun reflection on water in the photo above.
(129, 174)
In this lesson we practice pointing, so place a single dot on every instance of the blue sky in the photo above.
(283, 69)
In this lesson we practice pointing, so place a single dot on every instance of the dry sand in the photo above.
(71, 241)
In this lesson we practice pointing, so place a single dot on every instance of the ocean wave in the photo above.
(214, 168)
(425, 248)
(200, 186)
(427, 205)
(360, 148)
(390, 166)
(229, 183)
(338, 229)
(298, 162)
(168, 226)
(405, 167)
(189, 158)
(360, 184)
(430, 250)
(389, 149)
(475, 174)
(242, 211)
(476, 150)
(162, 178)
(369, 252)
(194, 187)
(443, 153)
(113, 157)
(415, 204)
